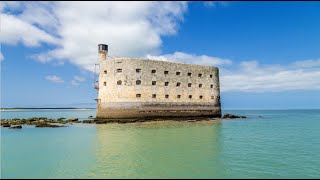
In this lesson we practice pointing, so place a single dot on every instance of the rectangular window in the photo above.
(166, 72)
(199, 75)
(200, 97)
(154, 83)
(138, 95)
(190, 96)
(210, 76)
(154, 95)
(177, 73)
(167, 96)
(166, 83)
(211, 86)
(189, 84)
(119, 70)
(105, 71)
(178, 84)
(189, 74)
(153, 71)
(178, 96)
(104, 83)
(200, 85)
(138, 70)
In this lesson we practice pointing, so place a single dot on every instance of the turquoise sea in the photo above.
(280, 144)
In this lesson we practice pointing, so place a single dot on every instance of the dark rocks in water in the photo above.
(90, 117)
(88, 121)
(48, 125)
(61, 119)
(6, 125)
(231, 116)
(15, 127)
(72, 119)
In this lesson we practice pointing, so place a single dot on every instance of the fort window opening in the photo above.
(154, 95)
(105, 71)
(189, 74)
(166, 83)
(199, 75)
(119, 70)
(178, 84)
(119, 82)
(190, 96)
(167, 96)
(178, 96)
(138, 82)
(138, 70)
(166, 72)
(104, 83)
(200, 97)
(189, 84)
(211, 86)
(154, 83)
(200, 85)
(138, 95)
(211, 76)
(212, 97)
(153, 71)
(177, 73)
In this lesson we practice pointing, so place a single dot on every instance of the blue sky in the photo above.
(268, 53)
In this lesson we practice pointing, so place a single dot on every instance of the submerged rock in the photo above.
(231, 116)
(6, 125)
(15, 127)
(48, 125)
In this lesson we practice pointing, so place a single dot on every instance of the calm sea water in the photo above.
(281, 144)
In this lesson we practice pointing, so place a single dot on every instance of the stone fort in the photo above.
(142, 88)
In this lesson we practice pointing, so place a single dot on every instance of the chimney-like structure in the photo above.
(103, 52)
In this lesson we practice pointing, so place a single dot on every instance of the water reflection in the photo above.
(158, 150)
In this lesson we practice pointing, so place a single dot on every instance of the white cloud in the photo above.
(75, 83)
(129, 28)
(253, 77)
(191, 59)
(76, 80)
(54, 78)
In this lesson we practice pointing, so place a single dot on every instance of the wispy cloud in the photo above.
(54, 78)
(77, 80)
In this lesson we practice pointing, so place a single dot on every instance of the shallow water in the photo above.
(281, 144)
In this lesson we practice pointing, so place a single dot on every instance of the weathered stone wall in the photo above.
(123, 101)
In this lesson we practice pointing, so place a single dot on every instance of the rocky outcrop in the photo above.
(48, 125)
(231, 116)
(5, 125)
(15, 127)
(72, 120)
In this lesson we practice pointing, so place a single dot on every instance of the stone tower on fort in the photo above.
(131, 88)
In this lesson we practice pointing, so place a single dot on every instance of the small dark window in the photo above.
(119, 82)
(166, 83)
(212, 97)
(200, 97)
(153, 71)
(189, 84)
(119, 70)
(154, 95)
(138, 95)
(154, 83)
(166, 72)
(189, 74)
(178, 96)
(138, 70)
(200, 85)
(199, 75)
(138, 82)
(177, 73)
(178, 84)
(190, 96)
(104, 83)
(166, 96)
(211, 86)
(105, 71)
(211, 76)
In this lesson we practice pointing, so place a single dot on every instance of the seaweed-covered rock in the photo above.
(15, 127)
(231, 116)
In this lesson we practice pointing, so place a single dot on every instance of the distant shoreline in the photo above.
(42, 108)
